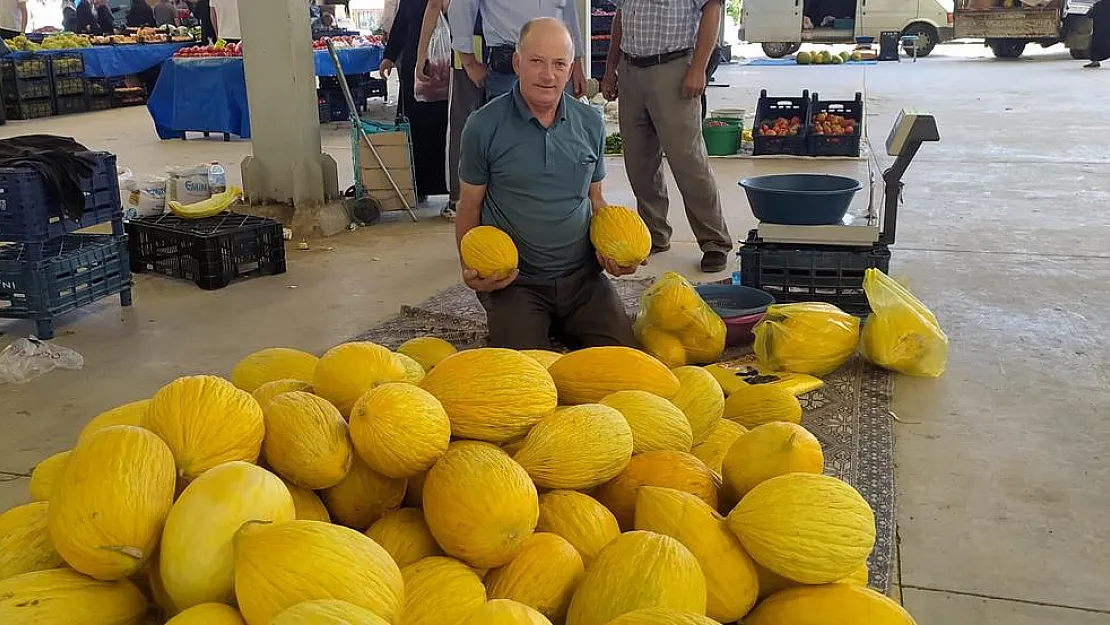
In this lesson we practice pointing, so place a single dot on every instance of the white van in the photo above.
(782, 26)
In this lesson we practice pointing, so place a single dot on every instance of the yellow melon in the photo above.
(638, 570)
(662, 616)
(810, 528)
(127, 414)
(107, 509)
(656, 423)
(327, 612)
(347, 371)
(829, 604)
(149, 580)
(577, 448)
(399, 430)
(307, 504)
(512, 447)
(61, 596)
(414, 371)
(770, 583)
(731, 581)
(270, 390)
(753, 405)
(672, 304)
(714, 448)
(578, 518)
(492, 394)
(427, 350)
(506, 612)
(306, 440)
(440, 590)
(542, 356)
(619, 234)
(811, 338)
(208, 614)
(542, 576)
(669, 469)
(25, 545)
(666, 347)
(363, 496)
(489, 251)
(480, 504)
(592, 374)
(405, 535)
(701, 399)
(46, 473)
(283, 564)
(275, 363)
(770, 450)
(861, 576)
(205, 421)
(197, 556)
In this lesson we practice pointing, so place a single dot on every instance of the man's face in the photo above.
(543, 66)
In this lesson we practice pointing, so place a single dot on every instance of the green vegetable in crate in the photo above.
(208, 208)
(614, 144)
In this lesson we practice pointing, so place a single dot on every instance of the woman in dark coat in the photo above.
(1100, 36)
(140, 15)
(427, 120)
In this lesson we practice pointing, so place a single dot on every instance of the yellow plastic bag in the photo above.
(736, 375)
(676, 325)
(901, 334)
(811, 338)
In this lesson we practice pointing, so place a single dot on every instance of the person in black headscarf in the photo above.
(85, 19)
(427, 120)
(106, 24)
(140, 14)
(1100, 35)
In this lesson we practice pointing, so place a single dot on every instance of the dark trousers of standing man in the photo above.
(656, 118)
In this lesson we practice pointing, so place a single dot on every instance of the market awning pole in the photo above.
(357, 123)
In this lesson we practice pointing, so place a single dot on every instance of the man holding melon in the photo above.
(530, 178)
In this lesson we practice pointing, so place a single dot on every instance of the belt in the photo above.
(657, 59)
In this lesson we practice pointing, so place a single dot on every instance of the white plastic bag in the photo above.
(26, 359)
(433, 83)
(143, 196)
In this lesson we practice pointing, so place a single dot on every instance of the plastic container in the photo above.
(212, 252)
(29, 109)
(599, 45)
(34, 67)
(800, 199)
(738, 115)
(70, 272)
(67, 64)
(836, 145)
(740, 307)
(721, 140)
(217, 178)
(70, 85)
(772, 108)
(29, 212)
(70, 104)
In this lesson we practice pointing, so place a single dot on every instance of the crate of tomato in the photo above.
(781, 125)
(835, 127)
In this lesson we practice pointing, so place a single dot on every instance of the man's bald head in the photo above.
(545, 31)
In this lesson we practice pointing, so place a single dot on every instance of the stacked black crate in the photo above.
(46, 268)
(601, 28)
(26, 86)
(68, 85)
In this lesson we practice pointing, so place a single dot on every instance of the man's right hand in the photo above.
(609, 85)
(421, 66)
(486, 285)
(476, 72)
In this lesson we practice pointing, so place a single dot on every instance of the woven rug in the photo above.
(850, 415)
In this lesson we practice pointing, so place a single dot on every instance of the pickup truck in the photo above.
(1009, 29)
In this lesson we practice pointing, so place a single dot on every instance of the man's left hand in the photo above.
(694, 84)
(578, 80)
(613, 268)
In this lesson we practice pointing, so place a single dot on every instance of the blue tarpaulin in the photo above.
(111, 61)
(354, 60)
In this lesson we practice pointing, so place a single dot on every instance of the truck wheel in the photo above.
(1080, 55)
(778, 50)
(927, 38)
(1007, 48)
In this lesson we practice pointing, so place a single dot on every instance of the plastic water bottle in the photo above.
(736, 271)
(217, 178)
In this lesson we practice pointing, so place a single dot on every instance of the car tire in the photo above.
(927, 38)
(777, 50)
(1007, 48)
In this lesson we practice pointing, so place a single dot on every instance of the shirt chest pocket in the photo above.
(584, 166)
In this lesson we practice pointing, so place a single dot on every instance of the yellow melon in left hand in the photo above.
(489, 251)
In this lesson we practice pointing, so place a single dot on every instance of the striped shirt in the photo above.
(650, 27)
(503, 19)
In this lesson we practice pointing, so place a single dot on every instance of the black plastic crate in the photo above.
(103, 86)
(33, 67)
(335, 102)
(70, 104)
(67, 64)
(772, 108)
(29, 109)
(601, 23)
(599, 45)
(375, 87)
(211, 252)
(597, 68)
(128, 96)
(30, 213)
(835, 145)
(811, 273)
(70, 85)
(19, 90)
(73, 271)
(100, 102)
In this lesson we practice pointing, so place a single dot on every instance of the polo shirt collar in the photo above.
(526, 113)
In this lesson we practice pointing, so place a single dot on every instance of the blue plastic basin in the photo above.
(800, 199)
(734, 300)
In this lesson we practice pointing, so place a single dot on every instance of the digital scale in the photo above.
(912, 128)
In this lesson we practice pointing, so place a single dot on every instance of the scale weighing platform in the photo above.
(827, 263)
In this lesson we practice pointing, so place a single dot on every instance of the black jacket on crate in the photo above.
(59, 160)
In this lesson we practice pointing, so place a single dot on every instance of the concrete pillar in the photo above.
(288, 168)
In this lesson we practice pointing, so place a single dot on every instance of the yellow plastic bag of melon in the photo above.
(736, 375)
(672, 314)
(901, 334)
(811, 338)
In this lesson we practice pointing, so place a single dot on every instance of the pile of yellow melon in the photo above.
(433, 487)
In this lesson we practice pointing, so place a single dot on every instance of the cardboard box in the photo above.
(394, 149)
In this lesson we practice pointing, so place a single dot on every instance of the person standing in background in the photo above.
(225, 19)
(69, 15)
(140, 15)
(1099, 50)
(106, 24)
(202, 10)
(666, 47)
(464, 98)
(501, 24)
(13, 18)
(165, 13)
(86, 19)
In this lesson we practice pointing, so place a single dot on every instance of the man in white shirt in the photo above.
(225, 19)
(13, 17)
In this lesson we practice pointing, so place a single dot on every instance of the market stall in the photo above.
(114, 60)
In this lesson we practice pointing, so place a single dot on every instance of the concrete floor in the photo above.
(1002, 466)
